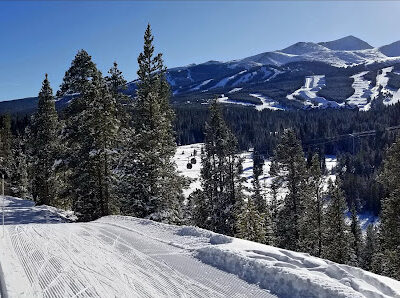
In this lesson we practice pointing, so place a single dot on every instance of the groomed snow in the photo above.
(118, 256)
(362, 91)
(267, 103)
(308, 93)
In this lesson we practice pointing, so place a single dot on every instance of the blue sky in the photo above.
(38, 36)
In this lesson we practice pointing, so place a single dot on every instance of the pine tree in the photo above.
(390, 214)
(289, 168)
(153, 187)
(19, 175)
(92, 176)
(43, 147)
(257, 196)
(336, 234)
(274, 207)
(124, 105)
(79, 76)
(221, 179)
(370, 249)
(251, 224)
(311, 221)
(356, 244)
(6, 156)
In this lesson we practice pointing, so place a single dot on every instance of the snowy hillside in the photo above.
(118, 256)
(185, 153)
(308, 93)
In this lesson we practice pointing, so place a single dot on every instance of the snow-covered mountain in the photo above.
(346, 64)
(348, 43)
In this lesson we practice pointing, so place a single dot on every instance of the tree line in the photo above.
(299, 211)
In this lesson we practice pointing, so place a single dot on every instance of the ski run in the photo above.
(118, 256)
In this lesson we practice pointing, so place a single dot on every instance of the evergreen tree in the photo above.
(273, 206)
(289, 169)
(6, 156)
(390, 215)
(222, 183)
(92, 162)
(19, 176)
(79, 76)
(153, 187)
(44, 147)
(356, 244)
(124, 105)
(257, 196)
(251, 224)
(336, 234)
(311, 222)
(370, 249)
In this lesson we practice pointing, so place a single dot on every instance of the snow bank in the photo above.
(20, 211)
(291, 274)
(282, 272)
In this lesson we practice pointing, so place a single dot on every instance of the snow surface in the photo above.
(201, 85)
(185, 153)
(267, 103)
(235, 90)
(308, 93)
(119, 256)
(362, 91)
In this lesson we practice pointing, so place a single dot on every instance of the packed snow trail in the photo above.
(120, 256)
(102, 259)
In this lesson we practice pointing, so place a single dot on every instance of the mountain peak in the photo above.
(347, 43)
(391, 50)
(301, 48)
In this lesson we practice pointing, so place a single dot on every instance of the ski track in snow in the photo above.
(104, 259)
(119, 256)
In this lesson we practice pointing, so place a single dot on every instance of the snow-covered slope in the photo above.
(118, 256)
(308, 94)
(362, 92)
(185, 153)
(347, 43)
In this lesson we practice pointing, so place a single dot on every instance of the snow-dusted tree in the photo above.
(153, 186)
(6, 156)
(221, 181)
(390, 214)
(93, 138)
(356, 244)
(43, 147)
(251, 224)
(336, 233)
(19, 176)
(312, 218)
(257, 196)
(79, 76)
(370, 248)
(124, 104)
(289, 169)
